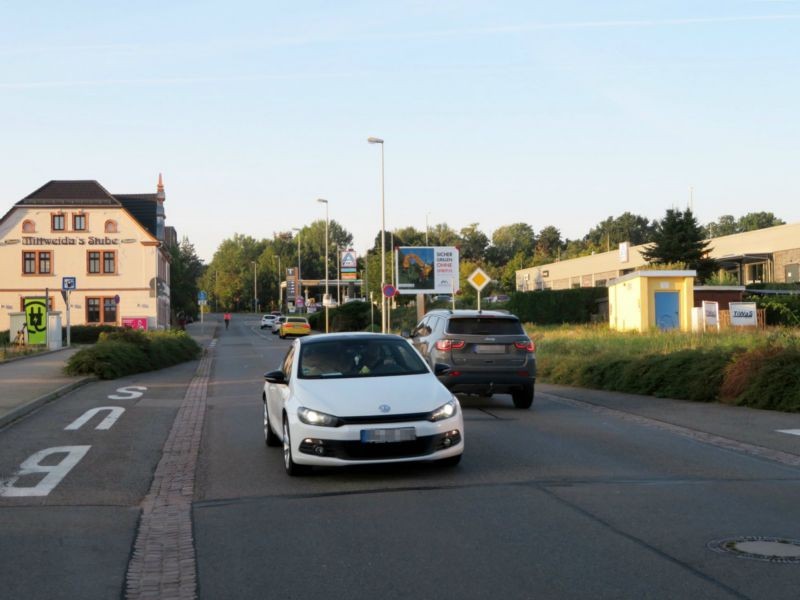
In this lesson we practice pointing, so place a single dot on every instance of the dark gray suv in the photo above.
(488, 351)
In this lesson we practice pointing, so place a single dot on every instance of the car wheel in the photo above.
(450, 461)
(283, 337)
(523, 398)
(270, 439)
(292, 468)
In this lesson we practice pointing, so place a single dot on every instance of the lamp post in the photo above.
(326, 299)
(374, 140)
(299, 291)
(255, 292)
(280, 289)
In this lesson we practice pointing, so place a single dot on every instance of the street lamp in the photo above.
(299, 290)
(326, 299)
(255, 293)
(280, 289)
(374, 140)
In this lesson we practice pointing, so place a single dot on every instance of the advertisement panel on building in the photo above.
(135, 322)
(427, 269)
(36, 320)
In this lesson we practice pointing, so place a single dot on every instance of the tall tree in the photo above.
(510, 240)
(548, 245)
(627, 227)
(473, 243)
(725, 225)
(678, 238)
(758, 220)
(184, 274)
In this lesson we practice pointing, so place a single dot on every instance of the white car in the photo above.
(267, 321)
(276, 324)
(344, 398)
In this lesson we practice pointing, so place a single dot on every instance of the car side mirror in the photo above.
(405, 333)
(441, 369)
(275, 377)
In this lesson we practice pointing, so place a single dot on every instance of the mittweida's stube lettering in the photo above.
(69, 241)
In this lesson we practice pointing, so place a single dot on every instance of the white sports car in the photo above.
(344, 398)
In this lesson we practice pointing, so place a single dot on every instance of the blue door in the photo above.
(667, 310)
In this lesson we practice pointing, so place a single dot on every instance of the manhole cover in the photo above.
(769, 549)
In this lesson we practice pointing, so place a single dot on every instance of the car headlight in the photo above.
(445, 411)
(314, 417)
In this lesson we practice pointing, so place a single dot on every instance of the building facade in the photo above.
(113, 245)
(770, 255)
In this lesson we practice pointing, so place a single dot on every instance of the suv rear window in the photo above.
(485, 326)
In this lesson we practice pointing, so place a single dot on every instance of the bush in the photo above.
(351, 316)
(554, 307)
(764, 378)
(128, 351)
(87, 334)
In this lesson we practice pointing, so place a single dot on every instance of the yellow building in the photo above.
(765, 255)
(113, 245)
(651, 299)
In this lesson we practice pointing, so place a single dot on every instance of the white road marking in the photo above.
(130, 392)
(114, 413)
(789, 431)
(54, 473)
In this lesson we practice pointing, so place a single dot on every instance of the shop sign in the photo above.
(135, 322)
(743, 314)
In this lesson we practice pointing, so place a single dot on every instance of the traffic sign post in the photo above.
(68, 284)
(202, 299)
(479, 280)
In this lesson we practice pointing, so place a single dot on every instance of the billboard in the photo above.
(743, 314)
(427, 269)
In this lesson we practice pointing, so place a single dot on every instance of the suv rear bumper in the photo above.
(495, 381)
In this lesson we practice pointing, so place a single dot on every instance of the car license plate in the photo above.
(489, 348)
(386, 436)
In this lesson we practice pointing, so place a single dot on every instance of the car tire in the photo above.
(523, 398)
(450, 461)
(280, 335)
(292, 468)
(270, 439)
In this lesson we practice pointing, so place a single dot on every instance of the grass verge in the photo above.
(757, 369)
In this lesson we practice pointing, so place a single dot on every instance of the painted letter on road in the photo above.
(114, 413)
(53, 473)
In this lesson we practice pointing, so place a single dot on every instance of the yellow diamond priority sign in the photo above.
(478, 279)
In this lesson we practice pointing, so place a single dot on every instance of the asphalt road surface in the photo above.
(566, 500)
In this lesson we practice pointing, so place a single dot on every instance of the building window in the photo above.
(38, 262)
(93, 262)
(44, 263)
(28, 227)
(109, 262)
(29, 263)
(111, 227)
(109, 310)
(79, 222)
(57, 222)
(792, 273)
(92, 310)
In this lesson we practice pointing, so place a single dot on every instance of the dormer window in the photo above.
(28, 226)
(111, 226)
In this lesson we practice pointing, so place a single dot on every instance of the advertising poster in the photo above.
(427, 269)
(135, 323)
(711, 313)
(36, 320)
(743, 314)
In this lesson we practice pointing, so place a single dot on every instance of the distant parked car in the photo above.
(498, 298)
(487, 351)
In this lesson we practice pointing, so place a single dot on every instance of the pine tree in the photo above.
(678, 238)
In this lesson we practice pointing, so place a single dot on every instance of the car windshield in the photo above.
(345, 358)
(484, 326)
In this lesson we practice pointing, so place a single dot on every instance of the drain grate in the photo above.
(767, 549)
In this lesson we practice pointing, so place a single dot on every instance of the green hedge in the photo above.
(780, 309)
(86, 334)
(127, 351)
(352, 316)
(554, 307)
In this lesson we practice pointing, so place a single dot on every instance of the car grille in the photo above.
(377, 419)
(356, 450)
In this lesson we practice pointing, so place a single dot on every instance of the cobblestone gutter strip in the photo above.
(163, 564)
(793, 460)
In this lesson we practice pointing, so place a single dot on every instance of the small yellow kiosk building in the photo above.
(642, 300)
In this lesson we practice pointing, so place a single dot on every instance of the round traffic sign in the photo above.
(389, 291)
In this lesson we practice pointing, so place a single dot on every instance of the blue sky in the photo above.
(550, 113)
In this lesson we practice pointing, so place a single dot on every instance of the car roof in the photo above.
(443, 312)
(351, 335)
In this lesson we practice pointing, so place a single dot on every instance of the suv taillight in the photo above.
(447, 345)
(528, 346)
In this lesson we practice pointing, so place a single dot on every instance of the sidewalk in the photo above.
(28, 383)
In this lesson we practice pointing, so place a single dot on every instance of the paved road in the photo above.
(586, 495)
